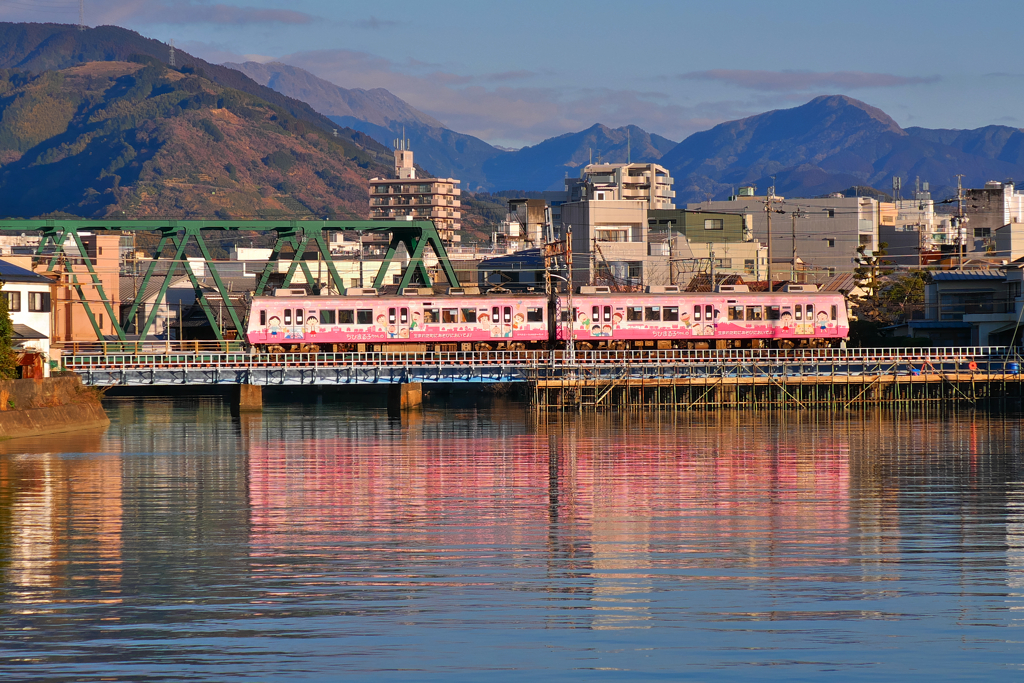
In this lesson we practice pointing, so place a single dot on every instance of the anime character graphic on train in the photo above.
(467, 319)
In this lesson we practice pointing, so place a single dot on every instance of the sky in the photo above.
(514, 74)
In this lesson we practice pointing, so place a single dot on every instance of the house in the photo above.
(29, 303)
(971, 308)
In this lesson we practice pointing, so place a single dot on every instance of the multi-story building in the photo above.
(988, 209)
(434, 199)
(647, 182)
(71, 321)
(823, 233)
(702, 241)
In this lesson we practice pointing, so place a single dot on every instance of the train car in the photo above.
(291, 320)
(364, 321)
(727, 319)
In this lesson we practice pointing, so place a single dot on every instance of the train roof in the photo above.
(562, 295)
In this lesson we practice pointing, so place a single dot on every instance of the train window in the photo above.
(696, 312)
(403, 316)
(798, 312)
(263, 318)
(469, 315)
(607, 314)
(810, 312)
(595, 314)
(364, 316)
(391, 316)
(754, 313)
(634, 313)
(708, 312)
(575, 314)
(287, 316)
(507, 319)
(346, 317)
(671, 314)
(326, 317)
(563, 315)
(535, 315)
(835, 312)
(298, 316)
(773, 312)
(431, 315)
(735, 313)
(495, 314)
(652, 313)
(450, 316)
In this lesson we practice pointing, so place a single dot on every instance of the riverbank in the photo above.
(30, 407)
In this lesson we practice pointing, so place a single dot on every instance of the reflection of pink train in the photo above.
(464, 321)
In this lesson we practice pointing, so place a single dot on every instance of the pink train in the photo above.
(465, 320)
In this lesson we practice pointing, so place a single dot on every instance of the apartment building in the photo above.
(645, 182)
(405, 195)
(822, 233)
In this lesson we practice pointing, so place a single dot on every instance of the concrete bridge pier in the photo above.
(250, 398)
(404, 397)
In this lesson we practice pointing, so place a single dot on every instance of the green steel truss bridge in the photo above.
(294, 239)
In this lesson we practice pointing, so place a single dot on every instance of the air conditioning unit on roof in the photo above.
(360, 291)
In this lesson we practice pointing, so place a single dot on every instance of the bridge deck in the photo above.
(550, 368)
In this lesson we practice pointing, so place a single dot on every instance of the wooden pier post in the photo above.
(250, 398)
(404, 397)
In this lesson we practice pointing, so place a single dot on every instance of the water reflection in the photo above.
(448, 543)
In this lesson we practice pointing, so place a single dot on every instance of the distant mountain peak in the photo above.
(377, 105)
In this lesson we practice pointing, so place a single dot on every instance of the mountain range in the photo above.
(826, 145)
(447, 153)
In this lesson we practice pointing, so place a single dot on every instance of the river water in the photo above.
(323, 541)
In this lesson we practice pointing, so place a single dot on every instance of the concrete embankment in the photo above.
(29, 407)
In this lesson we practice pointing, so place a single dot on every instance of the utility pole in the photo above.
(961, 220)
(711, 253)
(671, 275)
(770, 201)
(792, 271)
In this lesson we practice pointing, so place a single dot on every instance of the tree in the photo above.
(868, 269)
(8, 361)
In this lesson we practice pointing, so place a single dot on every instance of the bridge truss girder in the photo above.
(297, 235)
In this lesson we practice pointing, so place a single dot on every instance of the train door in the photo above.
(403, 322)
(506, 321)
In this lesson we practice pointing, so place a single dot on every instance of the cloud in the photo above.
(375, 24)
(798, 81)
(190, 12)
(135, 12)
(509, 76)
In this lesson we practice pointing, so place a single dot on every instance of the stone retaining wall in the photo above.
(44, 406)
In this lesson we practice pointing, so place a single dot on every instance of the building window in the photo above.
(714, 224)
(748, 264)
(830, 242)
(39, 302)
(831, 212)
(13, 301)
(636, 269)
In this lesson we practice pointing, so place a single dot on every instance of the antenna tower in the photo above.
(81, 15)
(170, 56)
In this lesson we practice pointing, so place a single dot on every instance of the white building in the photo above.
(29, 305)
(650, 183)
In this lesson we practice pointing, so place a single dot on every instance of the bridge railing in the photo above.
(150, 347)
(238, 359)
